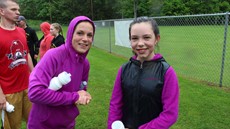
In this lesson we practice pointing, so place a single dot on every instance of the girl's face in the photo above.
(53, 31)
(143, 41)
(82, 37)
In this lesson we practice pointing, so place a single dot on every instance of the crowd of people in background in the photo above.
(145, 93)
(52, 37)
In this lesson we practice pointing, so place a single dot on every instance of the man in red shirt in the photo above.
(15, 66)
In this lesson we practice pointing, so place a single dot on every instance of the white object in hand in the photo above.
(9, 107)
(117, 125)
(56, 83)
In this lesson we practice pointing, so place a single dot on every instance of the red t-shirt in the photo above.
(14, 70)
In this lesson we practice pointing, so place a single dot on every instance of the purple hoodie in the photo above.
(170, 101)
(57, 109)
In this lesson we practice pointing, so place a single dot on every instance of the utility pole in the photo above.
(50, 11)
(135, 8)
(91, 3)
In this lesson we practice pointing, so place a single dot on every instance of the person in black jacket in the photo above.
(146, 90)
(56, 31)
(32, 38)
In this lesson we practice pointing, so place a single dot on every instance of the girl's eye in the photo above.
(134, 38)
(147, 37)
(90, 35)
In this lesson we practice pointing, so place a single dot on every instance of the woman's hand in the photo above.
(84, 98)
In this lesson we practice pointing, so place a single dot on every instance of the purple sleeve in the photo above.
(39, 82)
(170, 101)
(115, 108)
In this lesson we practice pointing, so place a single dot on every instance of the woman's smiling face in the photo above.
(83, 37)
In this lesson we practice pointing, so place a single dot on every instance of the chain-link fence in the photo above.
(197, 46)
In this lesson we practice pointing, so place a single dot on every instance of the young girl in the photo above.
(146, 91)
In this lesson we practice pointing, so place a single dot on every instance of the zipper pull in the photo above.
(141, 66)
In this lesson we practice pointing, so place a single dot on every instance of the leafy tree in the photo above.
(224, 6)
(28, 9)
(63, 11)
(174, 7)
(124, 8)
(155, 7)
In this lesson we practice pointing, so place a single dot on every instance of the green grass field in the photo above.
(201, 106)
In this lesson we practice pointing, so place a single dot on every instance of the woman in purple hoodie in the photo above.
(146, 91)
(58, 109)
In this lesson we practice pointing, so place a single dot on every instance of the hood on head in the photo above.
(71, 29)
(45, 28)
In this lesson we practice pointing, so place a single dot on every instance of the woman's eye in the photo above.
(79, 33)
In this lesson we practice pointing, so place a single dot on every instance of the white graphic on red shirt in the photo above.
(17, 54)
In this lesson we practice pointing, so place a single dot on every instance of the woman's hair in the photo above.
(58, 27)
(86, 21)
(145, 19)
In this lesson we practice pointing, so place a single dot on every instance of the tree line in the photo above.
(63, 11)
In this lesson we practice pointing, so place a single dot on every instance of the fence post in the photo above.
(224, 47)
(110, 42)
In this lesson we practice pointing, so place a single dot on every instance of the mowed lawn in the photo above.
(201, 106)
